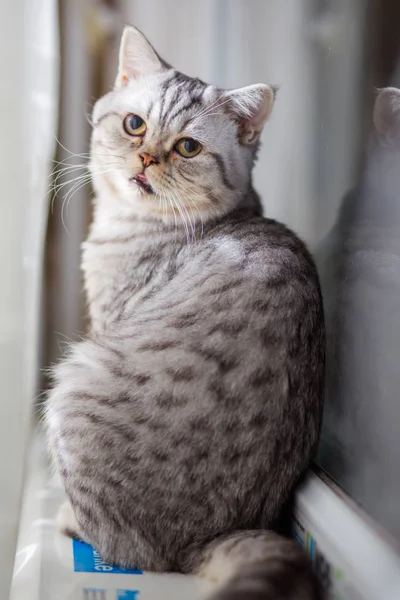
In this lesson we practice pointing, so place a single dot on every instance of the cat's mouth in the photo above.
(141, 180)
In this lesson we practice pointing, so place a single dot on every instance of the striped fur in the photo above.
(194, 404)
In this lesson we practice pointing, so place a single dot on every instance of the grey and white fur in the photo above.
(183, 421)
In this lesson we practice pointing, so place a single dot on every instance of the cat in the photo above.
(359, 267)
(181, 424)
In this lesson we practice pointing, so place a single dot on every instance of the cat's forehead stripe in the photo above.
(166, 86)
(187, 90)
(193, 99)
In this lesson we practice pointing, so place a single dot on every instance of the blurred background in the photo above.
(327, 56)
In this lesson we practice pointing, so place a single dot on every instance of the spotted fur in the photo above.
(194, 404)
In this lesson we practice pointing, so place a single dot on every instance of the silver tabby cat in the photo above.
(182, 422)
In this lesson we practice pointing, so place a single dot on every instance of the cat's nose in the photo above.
(148, 159)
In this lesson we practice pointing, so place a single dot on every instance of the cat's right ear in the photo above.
(250, 106)
(386, 115)
(137, 57)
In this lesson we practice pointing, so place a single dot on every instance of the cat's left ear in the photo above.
(137, 57)
(251, 106)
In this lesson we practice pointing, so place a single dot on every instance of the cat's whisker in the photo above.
(70, 193)
(69, 152)
(69, 170)
(66, 171)
(192, 206)
(71, 155)
(185, 209)
(57, 187)
(88, 119)
(84, 178)
(84, 155)
(76, 184)
(176, 202)
(161, 204)
(173, 210)
(187, 196)
(64, 160)
(57, 173)
(165, 204)
(191, 199)
(209, 115)
(209, 108)
(191, 194)
(66, 200)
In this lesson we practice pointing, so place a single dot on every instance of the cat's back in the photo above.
(240, 320)
(246, 289)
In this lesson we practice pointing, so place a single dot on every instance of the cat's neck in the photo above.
(126, 247)
(113, 219)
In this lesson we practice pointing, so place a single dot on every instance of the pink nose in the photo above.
(148, 159)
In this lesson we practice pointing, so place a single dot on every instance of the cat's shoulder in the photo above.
(258, 234)
(260, 249)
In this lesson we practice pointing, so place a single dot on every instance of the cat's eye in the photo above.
(188, 147)
(134, 125)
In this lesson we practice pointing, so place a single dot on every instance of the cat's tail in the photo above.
(257, 565)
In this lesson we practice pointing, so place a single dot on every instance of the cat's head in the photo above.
(169, 145)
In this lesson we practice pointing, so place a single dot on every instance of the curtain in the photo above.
(28, 107)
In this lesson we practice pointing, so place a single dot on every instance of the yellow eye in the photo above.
(188, 147)
(134, 125)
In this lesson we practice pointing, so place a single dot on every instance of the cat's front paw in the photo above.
(66, 522)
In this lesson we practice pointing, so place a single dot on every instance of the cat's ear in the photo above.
(251, 106)
(137, 57)
(386, 115)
